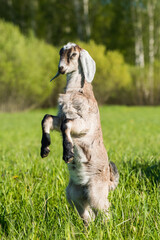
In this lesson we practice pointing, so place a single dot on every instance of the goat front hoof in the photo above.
(68, 157)
(46, 140)
(44, 152)
(70, 160)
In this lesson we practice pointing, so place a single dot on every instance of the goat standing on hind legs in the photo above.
(91, 175)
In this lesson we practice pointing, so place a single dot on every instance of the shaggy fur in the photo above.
(91, 174)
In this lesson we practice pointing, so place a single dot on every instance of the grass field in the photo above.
(32, 190)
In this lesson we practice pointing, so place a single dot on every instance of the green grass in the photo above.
(32, 190)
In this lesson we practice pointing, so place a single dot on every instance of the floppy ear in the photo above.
(88, 65)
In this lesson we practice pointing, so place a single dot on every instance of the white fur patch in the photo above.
(79, 175)
(69, 45)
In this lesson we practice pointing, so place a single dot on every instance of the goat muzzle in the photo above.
(61, 70)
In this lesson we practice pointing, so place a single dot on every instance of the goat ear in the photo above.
(88, 65)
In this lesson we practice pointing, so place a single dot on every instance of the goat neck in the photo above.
(75, 80)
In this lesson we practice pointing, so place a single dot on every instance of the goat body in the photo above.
(91, 174)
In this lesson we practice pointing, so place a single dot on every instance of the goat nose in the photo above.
(61, 69)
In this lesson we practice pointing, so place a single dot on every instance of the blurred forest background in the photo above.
(123, 37)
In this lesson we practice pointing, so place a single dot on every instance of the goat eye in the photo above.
(74, 54)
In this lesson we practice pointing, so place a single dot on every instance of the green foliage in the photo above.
(140, 87)
(26, 65)
(112, 73)
(114, 23)
(32, 190)
(61, 21)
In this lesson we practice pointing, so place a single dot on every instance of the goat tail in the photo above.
(114, 176)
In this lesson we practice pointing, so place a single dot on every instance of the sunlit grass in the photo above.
(32, 190)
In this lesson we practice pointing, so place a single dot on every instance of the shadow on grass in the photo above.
(4, 225)
(149, 171)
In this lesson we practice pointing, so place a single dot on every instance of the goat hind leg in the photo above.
(76, 196)
(49, 122)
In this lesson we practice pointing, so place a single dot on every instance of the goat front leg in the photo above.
(49, 123)
(68, 154)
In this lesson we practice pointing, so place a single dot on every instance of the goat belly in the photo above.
(77, 168)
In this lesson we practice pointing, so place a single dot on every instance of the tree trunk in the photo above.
(137, 22)
(33, 10)
(86, 19)
(77, 8)
(139, 49)
(151, 5)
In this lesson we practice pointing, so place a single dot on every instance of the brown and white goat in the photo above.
(91, 174)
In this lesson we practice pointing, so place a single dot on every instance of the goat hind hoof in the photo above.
(44, 152)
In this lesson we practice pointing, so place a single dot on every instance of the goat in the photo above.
(78, 119)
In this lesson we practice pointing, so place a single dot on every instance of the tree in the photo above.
(138, 33)
(86, 19)
(151, 8)
(77, 8)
